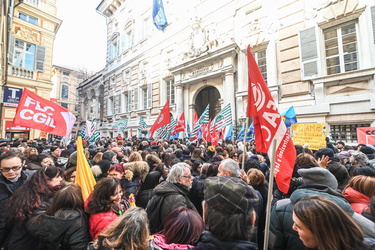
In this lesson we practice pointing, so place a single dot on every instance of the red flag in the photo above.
(196, 118)
(208, 135)
(268, 125)
(180, 126)
(164, 118)
(215, 137)
(36, 112)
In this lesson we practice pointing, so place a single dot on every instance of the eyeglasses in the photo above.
(186, 176)
(12, 168)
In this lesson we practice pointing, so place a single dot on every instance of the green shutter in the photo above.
(11, 49)
(40, 58)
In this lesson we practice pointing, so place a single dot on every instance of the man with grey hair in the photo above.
(229, 167)
(169, 195)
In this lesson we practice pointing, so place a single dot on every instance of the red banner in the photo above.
(36, 112)
(164, 118)
(268, 126)
(366, 135)
(180, 126)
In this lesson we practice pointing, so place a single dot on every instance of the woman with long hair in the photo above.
(105, 204)
(64, 224)
(125, 177)
(321, 224)
(182, 229)
(129, 231)
(359, 192)
(29, 200)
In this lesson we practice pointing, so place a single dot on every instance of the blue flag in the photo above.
(250, 132)
(229, 135)
(158, 15)
(187, 129)
(241, 133)
(289, 117)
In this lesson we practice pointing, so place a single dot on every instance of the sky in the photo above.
(81, 40)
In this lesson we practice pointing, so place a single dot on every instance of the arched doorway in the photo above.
(208, 95)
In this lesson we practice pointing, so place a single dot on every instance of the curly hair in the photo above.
(101, 196)
(31, 195)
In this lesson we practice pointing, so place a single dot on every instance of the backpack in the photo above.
(153, 210)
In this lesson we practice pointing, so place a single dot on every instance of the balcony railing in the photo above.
(21, 72)
(32, 2)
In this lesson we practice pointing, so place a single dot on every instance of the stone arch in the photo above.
(208, 95)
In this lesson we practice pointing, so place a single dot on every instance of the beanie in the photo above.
(327, 152)
(73, 158)
(367, 150)
(229, 195)
(318, 175)
(360, 158)
(108, 155)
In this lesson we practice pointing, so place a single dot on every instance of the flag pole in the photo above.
(269, 198)
(244, 142)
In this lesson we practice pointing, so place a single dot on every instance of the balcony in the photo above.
(34, 3)
(21, 72)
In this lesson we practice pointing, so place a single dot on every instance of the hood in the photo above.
(353, 196)
(138, 168)
(160, 241)
(96, 170)
(52, 228)
(167, 188)
(338, 199)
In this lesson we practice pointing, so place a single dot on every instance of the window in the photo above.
(123, 102)
(110, 105)
(65, 105)
(146, 27)
(65, 79)
(346, 133)
(26, 55)
(260, 57)
(136, 102)
(28, 18)
(170, 91)
(113, 49)
(64, 92)
(126, 39)
(66, 73)
(341, 49)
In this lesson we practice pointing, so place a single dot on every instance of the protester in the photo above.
(182, 229)
(170, 194)
(100, 171)
(69, 176)
(64, 224)
(139, 168)
(29, 200)
(228, 212)
(12, 177)
(125, 177)
(322, 224)
(105, 205)
(359, 191)
(129, 231)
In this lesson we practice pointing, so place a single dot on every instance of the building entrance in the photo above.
(208, 95)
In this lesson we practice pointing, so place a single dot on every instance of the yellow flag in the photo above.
(84, 176)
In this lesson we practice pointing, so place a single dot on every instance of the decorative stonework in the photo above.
(26, 34)
(329, 9)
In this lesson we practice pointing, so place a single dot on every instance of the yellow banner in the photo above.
(314, 134)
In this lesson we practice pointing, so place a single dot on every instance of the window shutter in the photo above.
(149, 95)
(129, 100)
(136, 102)
(40, 58)
(120, 109)
(373, 22)
(11, 49)
(123, 41)
(309, 53)
(110, 51)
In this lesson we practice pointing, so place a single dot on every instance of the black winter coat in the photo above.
(67, 231)
(208, 241)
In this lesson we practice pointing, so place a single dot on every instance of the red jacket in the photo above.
(100, 221)
(357, 200)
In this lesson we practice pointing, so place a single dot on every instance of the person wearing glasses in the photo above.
(170, 194)
(11, 178)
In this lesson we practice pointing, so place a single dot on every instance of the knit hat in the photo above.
(211, 148)
(53, 148)
(108, 155)
(229, 195)
(360, 158)
(344, 155)
(73, 158)
(318, 175)
(327, 152)
(153, 143)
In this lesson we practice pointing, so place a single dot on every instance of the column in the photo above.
(179, 99)
(229, 92)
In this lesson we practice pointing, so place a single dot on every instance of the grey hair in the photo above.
(176, 172)
(231, 166)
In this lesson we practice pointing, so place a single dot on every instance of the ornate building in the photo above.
(318, 56)
(31, 39)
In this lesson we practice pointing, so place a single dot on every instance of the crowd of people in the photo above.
(169, 194)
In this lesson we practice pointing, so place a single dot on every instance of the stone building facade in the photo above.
(318, 56)
(33, 29)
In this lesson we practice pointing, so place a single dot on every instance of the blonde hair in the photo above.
(256, 177)
(135, 156)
